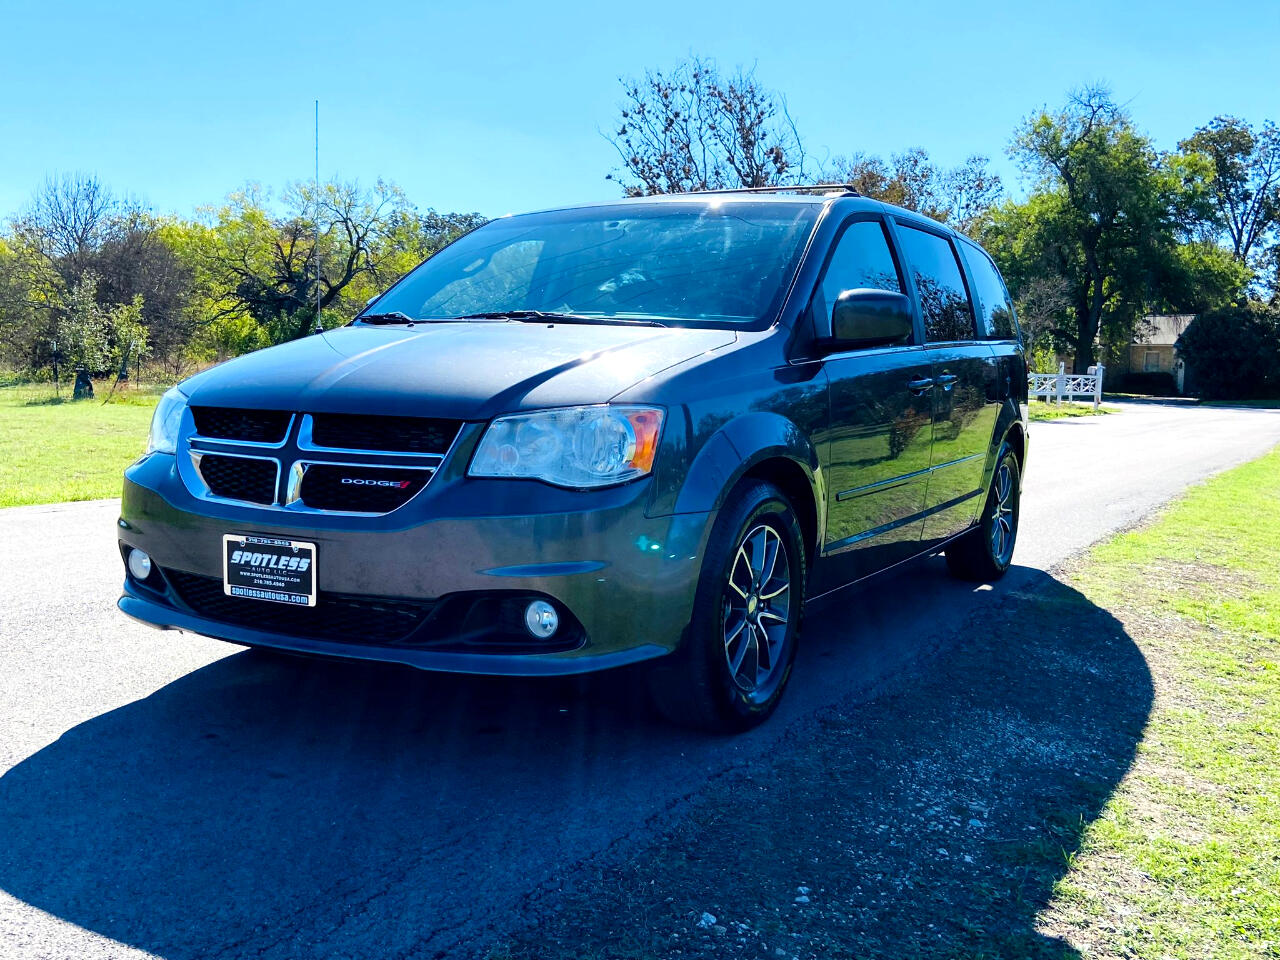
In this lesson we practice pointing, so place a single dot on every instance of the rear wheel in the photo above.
(736, 658)
(985, 552)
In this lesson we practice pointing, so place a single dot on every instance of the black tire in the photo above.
(985, 552)
(697, 685)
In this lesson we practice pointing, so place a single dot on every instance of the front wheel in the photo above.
(736, 658)
(985, 552)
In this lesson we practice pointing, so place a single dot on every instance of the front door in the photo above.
(876, 449)
(966, 392)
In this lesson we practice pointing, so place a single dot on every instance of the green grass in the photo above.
(1183, 861)
(1061, 411)
(54, 450)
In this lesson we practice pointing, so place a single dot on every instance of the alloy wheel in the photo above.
(1002, 515)
(757, 605)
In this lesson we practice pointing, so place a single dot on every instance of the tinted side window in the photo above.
(944, 301)
(861, 259)
(995, 311)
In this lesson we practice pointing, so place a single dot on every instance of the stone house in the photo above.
(1152, 351)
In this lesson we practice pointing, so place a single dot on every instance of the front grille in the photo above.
(239, 478)
(327, 486)
(336, 616)
(246, 426)
(394, 434)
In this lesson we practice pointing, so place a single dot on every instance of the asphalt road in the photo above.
(168, 795)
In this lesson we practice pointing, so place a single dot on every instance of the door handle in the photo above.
(920, 385)
(946, 380)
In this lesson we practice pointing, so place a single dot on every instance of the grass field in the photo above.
(53, 450)
(1060, 411)
(1183, 861)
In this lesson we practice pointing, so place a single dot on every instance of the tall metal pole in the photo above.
(318, 328)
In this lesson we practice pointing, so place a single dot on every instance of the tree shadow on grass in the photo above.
(286, 807)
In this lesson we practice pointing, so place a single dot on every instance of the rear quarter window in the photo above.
(996, 319)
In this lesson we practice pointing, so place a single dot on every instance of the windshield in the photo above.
(690, 264)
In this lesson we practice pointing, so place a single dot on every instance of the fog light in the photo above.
(139, 564)
(541, 619)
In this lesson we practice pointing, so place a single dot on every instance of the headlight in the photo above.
(164, 422)
(572, 446)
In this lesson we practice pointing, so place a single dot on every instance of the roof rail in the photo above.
(835, 189)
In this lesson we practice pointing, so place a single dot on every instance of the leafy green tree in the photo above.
(74, 228)
(83, 329)
(1233, 353)
(95, 338)
(1246, 179)
(1271, 271)
(333, 248)
(1106, 217)
(1197, 276)
(129, 335)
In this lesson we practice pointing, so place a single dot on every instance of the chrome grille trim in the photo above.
(307, 442)
(298, 472)
(205, 493)
(292, 458)
(222, 441)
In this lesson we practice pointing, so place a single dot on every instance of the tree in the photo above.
(83, 330)
(73, 229)
(1246, 178)
(1271, 271)
(1106, 217)
(269, 266)
(68, 221)
(93, 339)
(694, 129)
(260, 263)
(1233, 353)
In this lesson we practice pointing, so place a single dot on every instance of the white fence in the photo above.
(1063, 386)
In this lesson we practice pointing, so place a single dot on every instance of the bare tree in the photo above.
(970, 191)
(959, 196)
(695, 129)
(69, 219)
(1042, 302)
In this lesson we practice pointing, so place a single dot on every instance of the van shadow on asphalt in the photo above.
(284, 807)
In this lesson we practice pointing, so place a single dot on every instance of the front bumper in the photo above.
(626, 580)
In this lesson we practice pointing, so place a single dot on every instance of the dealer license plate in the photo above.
(264, 568)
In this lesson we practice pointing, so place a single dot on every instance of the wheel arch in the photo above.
(789, 477)
(759, 446)
(1017, 440)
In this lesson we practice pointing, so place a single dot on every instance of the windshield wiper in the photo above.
(393, 316)
(544, 316)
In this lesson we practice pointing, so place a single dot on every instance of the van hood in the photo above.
(462, 371)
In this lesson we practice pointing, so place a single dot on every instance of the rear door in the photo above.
(876, 450)
(966, 378)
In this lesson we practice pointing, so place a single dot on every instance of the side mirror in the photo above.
(865, 318)
(372, 300)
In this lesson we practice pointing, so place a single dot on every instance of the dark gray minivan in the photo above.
(645, 430)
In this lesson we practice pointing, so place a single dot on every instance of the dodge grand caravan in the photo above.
(646, 430)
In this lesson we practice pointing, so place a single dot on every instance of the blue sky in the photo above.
(499, 107)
